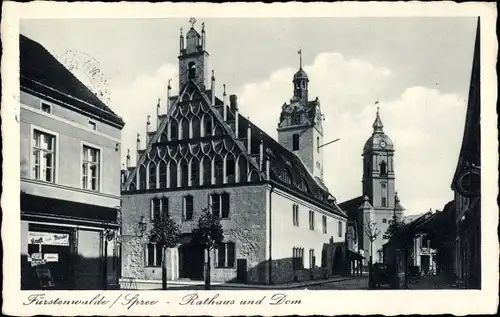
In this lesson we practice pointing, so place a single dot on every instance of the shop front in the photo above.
(67, 253)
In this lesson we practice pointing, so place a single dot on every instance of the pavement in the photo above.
(315, 284)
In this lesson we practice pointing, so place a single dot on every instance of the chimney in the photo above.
(224, 99)
(233, 101)
(249, 138)
(128, 159)
(213, 88)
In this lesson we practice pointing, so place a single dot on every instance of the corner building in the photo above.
(70, 178)
(280, 222)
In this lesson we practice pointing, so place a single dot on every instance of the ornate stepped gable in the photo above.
(193, 146)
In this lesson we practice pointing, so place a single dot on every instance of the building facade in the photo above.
(379, 202)
(70, 178)
(467, 185)
(280, 221)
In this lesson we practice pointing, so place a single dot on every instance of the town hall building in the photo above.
(379, 202)
(280, 221)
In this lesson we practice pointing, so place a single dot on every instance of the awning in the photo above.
(64, 210)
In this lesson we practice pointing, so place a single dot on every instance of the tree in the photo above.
(165, 233)
(395, 228)
(372, 232)
(208, 234)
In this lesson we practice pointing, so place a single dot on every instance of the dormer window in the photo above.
(285, 176)
(46, 108)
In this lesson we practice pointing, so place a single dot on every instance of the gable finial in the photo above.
(224, 87)
(193, 22)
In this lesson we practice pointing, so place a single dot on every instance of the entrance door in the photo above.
(191, 261)
(241, 270)
(425, 263)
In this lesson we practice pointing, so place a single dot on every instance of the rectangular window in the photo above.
(43, 156)
(164, 206)
(384, 202)
(92, 125)
(317, 144)
(215, 204)
(311, 220)
(226, 255)
(324, 224)
(46, 108)
(153, 255)
(298, 258)
(90, 167)
(340, 228)
(384, 220)
(296, 215)
(220, 205)
(312, 259)
(295, 142)
(155, 208)
(188, 208)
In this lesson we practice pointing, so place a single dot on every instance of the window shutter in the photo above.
(225, 205)
(230, 254)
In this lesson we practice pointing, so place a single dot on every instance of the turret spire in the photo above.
(300, 57)
(377, 124)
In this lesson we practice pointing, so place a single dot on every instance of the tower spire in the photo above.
(300, 57)
(377, 124)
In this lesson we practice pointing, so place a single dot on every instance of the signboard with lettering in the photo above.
(51, 257)
(48, 238)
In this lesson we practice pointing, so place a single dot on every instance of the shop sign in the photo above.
(51, 257)
(48, 238)
(37, 262)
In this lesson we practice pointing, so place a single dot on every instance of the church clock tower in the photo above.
(300, 128)
(378, 168)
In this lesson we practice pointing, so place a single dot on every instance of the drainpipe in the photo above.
(270, 235)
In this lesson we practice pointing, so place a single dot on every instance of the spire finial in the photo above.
(224, 87)
(203, 26)
(377, 125)
(300, 56)
(213, 74)
(193, 22)
(169, 81)
(181, 30)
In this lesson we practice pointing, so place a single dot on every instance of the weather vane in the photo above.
(193, 22)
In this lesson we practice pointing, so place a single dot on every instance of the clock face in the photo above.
(382, 143)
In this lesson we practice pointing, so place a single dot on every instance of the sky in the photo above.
(417, 68)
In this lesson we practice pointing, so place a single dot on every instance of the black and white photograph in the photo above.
(205, 154)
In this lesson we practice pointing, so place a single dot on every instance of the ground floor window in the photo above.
(153, 255)
(226, 254)
(298, 258)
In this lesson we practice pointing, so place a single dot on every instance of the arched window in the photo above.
(191, 70)
(285, 176)
(142, 177)
(207, 124)
(174, 130)
(164, 137)
(184, 173)
(218, 130)
(295, 140)
(207, 171)
(230, 169)
(383, 168)
(195, 172)
(218, 164)
(152, 175)
(185, 129)
(195, 126)
(162, 167)
(242, 169)
(172, 171)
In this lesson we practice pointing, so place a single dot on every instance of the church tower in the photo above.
(193, 59)
(300, 127)
(378, 168)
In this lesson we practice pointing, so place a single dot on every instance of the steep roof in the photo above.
(42, 73)
(351, 206)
